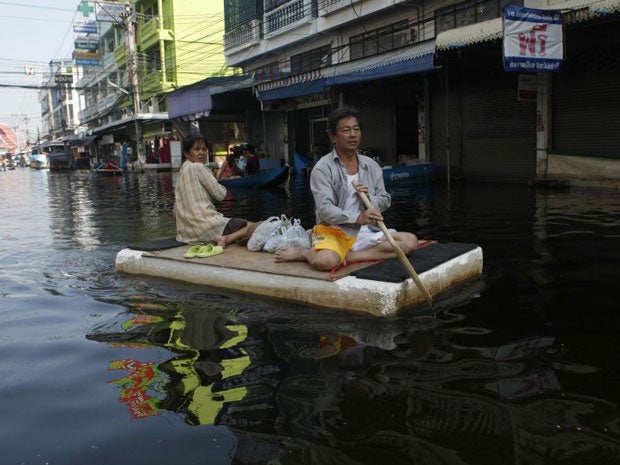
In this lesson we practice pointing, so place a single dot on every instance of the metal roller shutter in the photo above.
(585, 115)
(377, 122)
(499, 132)
(493, 135)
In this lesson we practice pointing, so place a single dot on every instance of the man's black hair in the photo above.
(341, 113)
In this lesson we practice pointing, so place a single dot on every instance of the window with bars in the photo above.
(471, 12)
(380, 40)
(312, 59)
(239, 12)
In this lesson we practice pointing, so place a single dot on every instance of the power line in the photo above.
(38, 7)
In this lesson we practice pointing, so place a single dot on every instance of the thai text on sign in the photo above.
(533, 40)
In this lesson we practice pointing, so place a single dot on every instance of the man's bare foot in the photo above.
(290, 254)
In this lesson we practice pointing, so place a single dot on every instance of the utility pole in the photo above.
(16, 128)
(132, 73)
(27, 121)
(21, 118)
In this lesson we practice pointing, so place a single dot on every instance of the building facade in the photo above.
(429, 82)
(59, 100)
(145, 52)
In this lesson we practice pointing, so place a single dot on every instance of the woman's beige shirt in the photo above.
(196, 217)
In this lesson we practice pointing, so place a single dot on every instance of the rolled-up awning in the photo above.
(294, 90)
(470, 34)
(125, 122)
(410, 60)
(89, 140)
(196, 101)
(410, 66)
(191, 101)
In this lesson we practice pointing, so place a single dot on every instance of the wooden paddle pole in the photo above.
(399, 252)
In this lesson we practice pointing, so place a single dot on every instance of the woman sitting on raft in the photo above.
(197, 219)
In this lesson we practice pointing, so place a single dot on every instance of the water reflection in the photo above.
(88, 209)
(520, 368)
(408, 391)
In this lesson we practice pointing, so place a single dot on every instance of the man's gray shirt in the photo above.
(327, 183)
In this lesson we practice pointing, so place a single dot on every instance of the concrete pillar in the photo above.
(543, 123)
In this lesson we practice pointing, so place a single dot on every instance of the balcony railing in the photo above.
(287, 15)
(109, 61)
(147, 32)
(106, 103)
(151, 83)
(97, 109)
(246, 34)
(87, 113)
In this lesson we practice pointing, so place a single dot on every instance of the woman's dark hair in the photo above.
(189, 142)
(341, 113)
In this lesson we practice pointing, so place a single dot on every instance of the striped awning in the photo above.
(470, 34)
(411, 60)
(493, 29)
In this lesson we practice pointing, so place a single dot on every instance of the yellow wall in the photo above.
(197, 51)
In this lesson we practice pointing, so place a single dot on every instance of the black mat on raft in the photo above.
(393, 271)
(160, 244)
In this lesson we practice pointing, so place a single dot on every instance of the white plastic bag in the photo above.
(264, 230)
(276, 241)
(296, 235)
(288, 235)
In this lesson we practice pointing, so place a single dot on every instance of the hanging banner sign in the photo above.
(82, 26)
(85, 54)
(87, 42)
(87, 62)
(63, 78)
(110, 12)
(533, 40)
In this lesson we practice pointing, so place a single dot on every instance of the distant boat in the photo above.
(268, 178)
(415, 173)
(109, 167)
(38, 159)
(302, 164)
(59, 154)
(412, 174)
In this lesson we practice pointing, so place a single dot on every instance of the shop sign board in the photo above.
(533, 40)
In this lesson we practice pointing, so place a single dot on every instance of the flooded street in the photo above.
(519, 367)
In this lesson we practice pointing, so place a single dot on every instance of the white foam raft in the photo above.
(239, 269)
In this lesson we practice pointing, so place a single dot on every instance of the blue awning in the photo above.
(294, 90)
(190, 102)
(410, 66)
